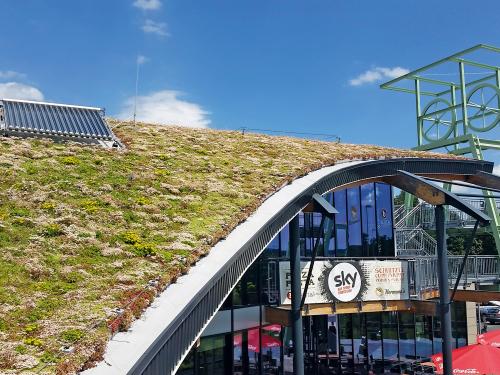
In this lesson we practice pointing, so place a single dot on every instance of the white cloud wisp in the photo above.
(152, 27)
(10, 74)
(147, 4)
(15, 90)
(377, 74)
(165, 107)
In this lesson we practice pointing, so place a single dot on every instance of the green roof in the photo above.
(83, 229)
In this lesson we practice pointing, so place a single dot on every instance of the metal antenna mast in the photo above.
(140, 60)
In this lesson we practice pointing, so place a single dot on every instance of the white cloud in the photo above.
(158, 28)
(142, 59)
(10, 74)
(165, 107)
(147, 4)
(496, 169)
(378, 74)
(15, 90)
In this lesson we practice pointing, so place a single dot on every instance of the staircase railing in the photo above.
(398, 212)
(410, 218)
(414, 242)
(423, 215)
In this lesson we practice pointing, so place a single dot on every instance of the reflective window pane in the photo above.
(211, 355)
(369, 225)
(390, 334)
(284, 241)
(406, 336)
(341, 222)
(271, 349)
(383, 193)
(459, 325)
(346, 342)
(374, 337)
(423, 331)
(359, 338)
(354, 223)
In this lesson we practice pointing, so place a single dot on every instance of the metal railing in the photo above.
(422, 215)
(423, 275)
(409, 218)
(398, 212)
(414, 242)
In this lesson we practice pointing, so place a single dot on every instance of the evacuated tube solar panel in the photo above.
(46, 118)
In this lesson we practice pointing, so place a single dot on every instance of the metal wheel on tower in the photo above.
(438, 120)
(484, 107)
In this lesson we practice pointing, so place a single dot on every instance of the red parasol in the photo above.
(272, 328)
(253, 341)
(474, 359)
(491, 338)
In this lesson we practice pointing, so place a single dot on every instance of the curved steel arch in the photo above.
(171, 346)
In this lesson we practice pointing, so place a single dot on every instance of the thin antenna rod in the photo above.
(136, 87)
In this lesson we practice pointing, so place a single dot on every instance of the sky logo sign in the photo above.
(344, 282)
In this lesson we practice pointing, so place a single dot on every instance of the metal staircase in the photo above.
(410, 236)
(411, 225)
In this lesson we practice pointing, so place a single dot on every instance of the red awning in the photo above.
(474, 359)
(491, 338)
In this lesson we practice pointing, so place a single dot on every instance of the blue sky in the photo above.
(266, 64)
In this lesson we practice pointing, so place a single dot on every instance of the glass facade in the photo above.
(362, 228)
(240, 341)
(364, 343)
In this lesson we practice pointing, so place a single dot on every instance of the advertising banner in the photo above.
(346, 281)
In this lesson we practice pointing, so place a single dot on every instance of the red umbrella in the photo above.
(491, 338)
(474, 359)
(253, 341)
(272, 328)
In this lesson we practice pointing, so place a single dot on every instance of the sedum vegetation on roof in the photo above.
(86, 230)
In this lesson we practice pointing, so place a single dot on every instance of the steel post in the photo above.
(296, 316)
(444, 298)
(463, 98)
(419, 112)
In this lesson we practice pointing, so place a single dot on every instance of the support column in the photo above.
(296, 316)
(444, 297)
